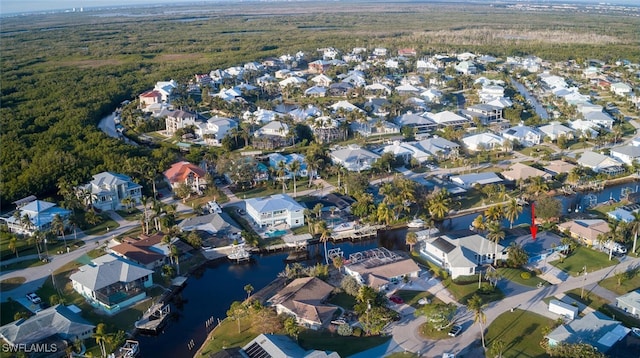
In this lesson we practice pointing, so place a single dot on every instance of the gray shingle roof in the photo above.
(106, 271)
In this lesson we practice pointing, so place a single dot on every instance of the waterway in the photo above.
(539, 108)
(211, 290)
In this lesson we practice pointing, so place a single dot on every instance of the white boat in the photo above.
(344, 226)
(416, 224)
(238, 253)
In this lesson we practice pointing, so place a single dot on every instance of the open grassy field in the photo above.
(627, 284)
(583, 257)
(513, 274)
(521, 331)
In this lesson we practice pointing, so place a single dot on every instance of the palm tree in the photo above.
(36, 238)
(495, 234)
(494, 213)
(439, 205)
(248, 289)
(13, 245)
(282, 170)
(511, 211)
(174, 254)
(635, 228)
(384, 213)
(294, 167)
(479, 223)
(477, 307)
(101, 338)
(411, 240)
(57, 225)
(325, 235)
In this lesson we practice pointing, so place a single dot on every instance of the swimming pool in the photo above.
(275, 233)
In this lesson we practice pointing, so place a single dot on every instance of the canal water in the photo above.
(539, 108)
(211, 290)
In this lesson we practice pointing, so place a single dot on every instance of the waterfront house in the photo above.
(601, 163)
(179, 119)
(595, 329)
(47, 326)
(380, 267)
(145, 252)
(40, 214)
(274, 210)
(624, 213)
(525, 135)
(461, 253)
(485, 113)
(586, 230)
(219, 224)
(519, 171)
(438, 147)
(275, 345)
(149, 98)
(555, 130)
(111, 284)
(215, 129)
(186, 173)
(287, 159)
(448, 119)
(353, 158)
(556, 167)
(630, 303)
(304, 298)
(483, 141)
(419, 123)
(109, 189)
(602, 119)
(545, 244)
(627, 154)
(470, 180)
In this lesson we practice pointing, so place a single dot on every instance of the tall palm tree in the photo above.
(477, 307)
(479, 224)
(495, 234)
(101, 338)
(57, 225)
(494, 213)
(13, 245)
(325, 235)
(635, 228)
(439, 205)
(411, 240)
(294, 167)
(511, 211)
(282, 170)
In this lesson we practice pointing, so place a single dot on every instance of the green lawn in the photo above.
(11, 283)
(9, 309)
(102, 227)
(411, 297)
(226, 336)
(463, 291)
(581, 257)
(428, 332)
(343, 300)
(345, 346)
(130, 215)
(513, 274)
(521, 331)
(627, 285)
(21, 265)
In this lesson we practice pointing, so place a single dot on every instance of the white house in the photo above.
(274, 128)
(109, 189)
(600, 118)
(406, 151)
(354, 158)
(379, 267)
(595, 329)
(111, 284)
(483, 141)
(600, 163)
(621, 89)
(588, 129)
(555, 130)
(215, 129)
(466, 68)
(276, 158)
(304, 298)
(179, 119)
(461, 256)
(447, 118)
(630, 303)
(420, 123)
(469, 180)
(40, 214)
(274, 210)
(626, 154)
(525, 135)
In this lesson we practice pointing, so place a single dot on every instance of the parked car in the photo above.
(34, 298)
(455, 330)
(396, 299)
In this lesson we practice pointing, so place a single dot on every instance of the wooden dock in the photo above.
(357, 233)
(154, 318)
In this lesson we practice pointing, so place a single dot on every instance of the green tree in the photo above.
(497, 348)
(57, 225)
(101, 337)
(236, 311)
(438, 315)
(495, 234)
(516, 255)
(13, 245)
(411, 240)
(294, 168)
(439, 204)
(476, 306)
(511, 211)
(248, 289)
(548, 207)
(291, 327)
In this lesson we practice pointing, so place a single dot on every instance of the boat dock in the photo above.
(357, 232)
(239, 254)
(129, 349)
(155, 317)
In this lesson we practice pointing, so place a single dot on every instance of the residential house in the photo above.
(276, 158)
(595, 329)
(556, 167)
(272, 135)
(149, 98)
(525, 135)
(586, 230)
(292, 81)
(379, 52)
(377, 268)
(215, 129)
(407, 52)
(627, 154)
(555, 130)
(218, 224)
(40, 214)
(179, 119)
(166, 89)
(432, 95)
(274, 210)
(315, 91)
(281, 346)
(319, 66)
(489, 93)
(630, 303)
(483, 141)
(340, 89)
(374, 126)
(353, 158)
(448, 119)
(466, 68)
(112, 284)
(377, 88)
(621, 89)
(304, 299)
(461, 253)
(600, 118)
(49, 325)
(624, 213)
(109, 189)
(519, 171)
(470, 180)
(145, 252)
(420, 124)
(406, 152)
(186, 173)
(485, 113)
(545, 244)
(601, 163)
(322, 80)
(327, 130)
(587, 129)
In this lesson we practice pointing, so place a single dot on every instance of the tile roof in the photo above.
(181, 170)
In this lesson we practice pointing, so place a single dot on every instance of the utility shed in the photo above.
(563, 309)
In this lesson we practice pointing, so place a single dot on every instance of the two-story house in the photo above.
(274, 210)
(109, 189)
(186, 173)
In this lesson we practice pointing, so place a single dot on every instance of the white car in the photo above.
(34, 298)
(455, 330)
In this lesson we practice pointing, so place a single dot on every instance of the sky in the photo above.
(20, 6)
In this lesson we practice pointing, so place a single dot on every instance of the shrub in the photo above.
(486, 288)
(357, 331)
(525, 275)
(345, 330)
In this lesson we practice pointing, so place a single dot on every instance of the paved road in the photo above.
(405, 332)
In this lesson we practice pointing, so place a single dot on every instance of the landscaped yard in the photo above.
(101, 228)
(462, 291)
(130, 215)
(345, 346)
(584, 257)
(513, 274)
(411, 297)
(226, 336)
(627, 285)
(428, 332)
(521, 331)
(343, 300)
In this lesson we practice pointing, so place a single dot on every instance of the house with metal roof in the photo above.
(109, 189)
(219, 224)
(39, 213)
(461, 253)
(525, 135)
(555, 130)
(353, 158)
(483, 141)
(304, 298)
(448, 119)
(379, 267)
(594, 328)
(419, 123)
(50, 324)
(626, 154)
(630, 303)
(274, 210)
(470, 180)
(601, 163)
(111, 284)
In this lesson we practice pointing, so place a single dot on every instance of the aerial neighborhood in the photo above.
(437, 204)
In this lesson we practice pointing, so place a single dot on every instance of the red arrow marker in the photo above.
(534, 228)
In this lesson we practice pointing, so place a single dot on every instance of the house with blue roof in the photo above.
(275, 210)
(40, 214)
